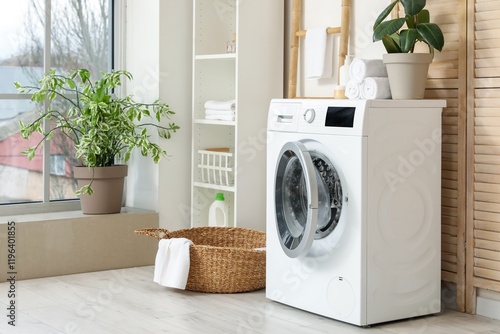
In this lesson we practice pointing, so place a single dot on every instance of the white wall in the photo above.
(158, 54)
(142, 60)
(175, 88)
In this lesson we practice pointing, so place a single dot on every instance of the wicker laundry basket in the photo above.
(222, 259)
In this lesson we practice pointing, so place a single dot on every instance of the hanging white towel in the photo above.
(220, 105)
(376, 88)
(353, 90)
(318, 53)
(364, 68)
(172, 262)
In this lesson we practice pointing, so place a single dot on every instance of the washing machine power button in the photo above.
(309, 115)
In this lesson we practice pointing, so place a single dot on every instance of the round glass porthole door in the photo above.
(329, 182)
(308, 198)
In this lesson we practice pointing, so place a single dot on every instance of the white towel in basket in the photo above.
(172, 262)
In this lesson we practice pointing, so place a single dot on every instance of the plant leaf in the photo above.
(432, 35)
(408, 38)
(384, 14)
(424, 17)
(390, 44)
(71, 83)
(387, 28)
(413, 7)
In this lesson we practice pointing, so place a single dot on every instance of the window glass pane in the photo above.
(16, 59)
(80, 35)
(79, 38)
(21, 180)
(62, 157)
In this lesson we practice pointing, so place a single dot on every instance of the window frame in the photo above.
(117, 24)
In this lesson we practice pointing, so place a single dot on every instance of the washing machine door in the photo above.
(301, 199)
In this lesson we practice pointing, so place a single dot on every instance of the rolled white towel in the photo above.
(364, 68)
(376, 88)
(219, 112)
(353, 90)
(220, 105)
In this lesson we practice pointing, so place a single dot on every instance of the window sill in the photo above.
(63, 243)
(59, 215)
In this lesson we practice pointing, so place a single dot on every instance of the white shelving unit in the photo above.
(251, 76)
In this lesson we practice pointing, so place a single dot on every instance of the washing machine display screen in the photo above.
(340, 117)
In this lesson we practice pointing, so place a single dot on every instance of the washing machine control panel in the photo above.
(333, 116)
(321, 116)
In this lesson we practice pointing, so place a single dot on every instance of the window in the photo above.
(35, 36)
(57, 164)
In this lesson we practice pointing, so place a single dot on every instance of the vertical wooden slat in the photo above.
(294, 48)
(470, 306)
(345, 22)
(483, 219)
(462, 157)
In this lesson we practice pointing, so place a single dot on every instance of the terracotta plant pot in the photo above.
(407, 74)
(107, 185)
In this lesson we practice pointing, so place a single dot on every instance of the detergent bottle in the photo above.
(218, 212)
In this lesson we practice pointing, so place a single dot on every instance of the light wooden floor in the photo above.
(128, 301)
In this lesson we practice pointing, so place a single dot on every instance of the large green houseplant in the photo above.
(400, 37)
(97, 123)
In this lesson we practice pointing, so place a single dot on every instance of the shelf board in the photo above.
(214, 186)
(214, 122)
(216, 56)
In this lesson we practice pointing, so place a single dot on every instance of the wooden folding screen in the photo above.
(467, 75)
(483, 223)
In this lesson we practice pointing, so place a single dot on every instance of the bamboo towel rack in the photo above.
(343, 30)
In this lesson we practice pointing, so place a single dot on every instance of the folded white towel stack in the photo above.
(368, 80)
(172, 262)
(365, 68)
(220, 105)
(318, 53)
(220, 110)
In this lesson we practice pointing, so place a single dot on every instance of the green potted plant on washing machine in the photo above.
(407, 69)
(98, 126)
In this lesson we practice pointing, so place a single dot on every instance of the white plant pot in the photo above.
(407, 74)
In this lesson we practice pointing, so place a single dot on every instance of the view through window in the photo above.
(35, 36)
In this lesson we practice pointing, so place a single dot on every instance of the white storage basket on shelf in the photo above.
(216, 167)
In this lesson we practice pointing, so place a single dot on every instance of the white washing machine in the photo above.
(354, 207)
